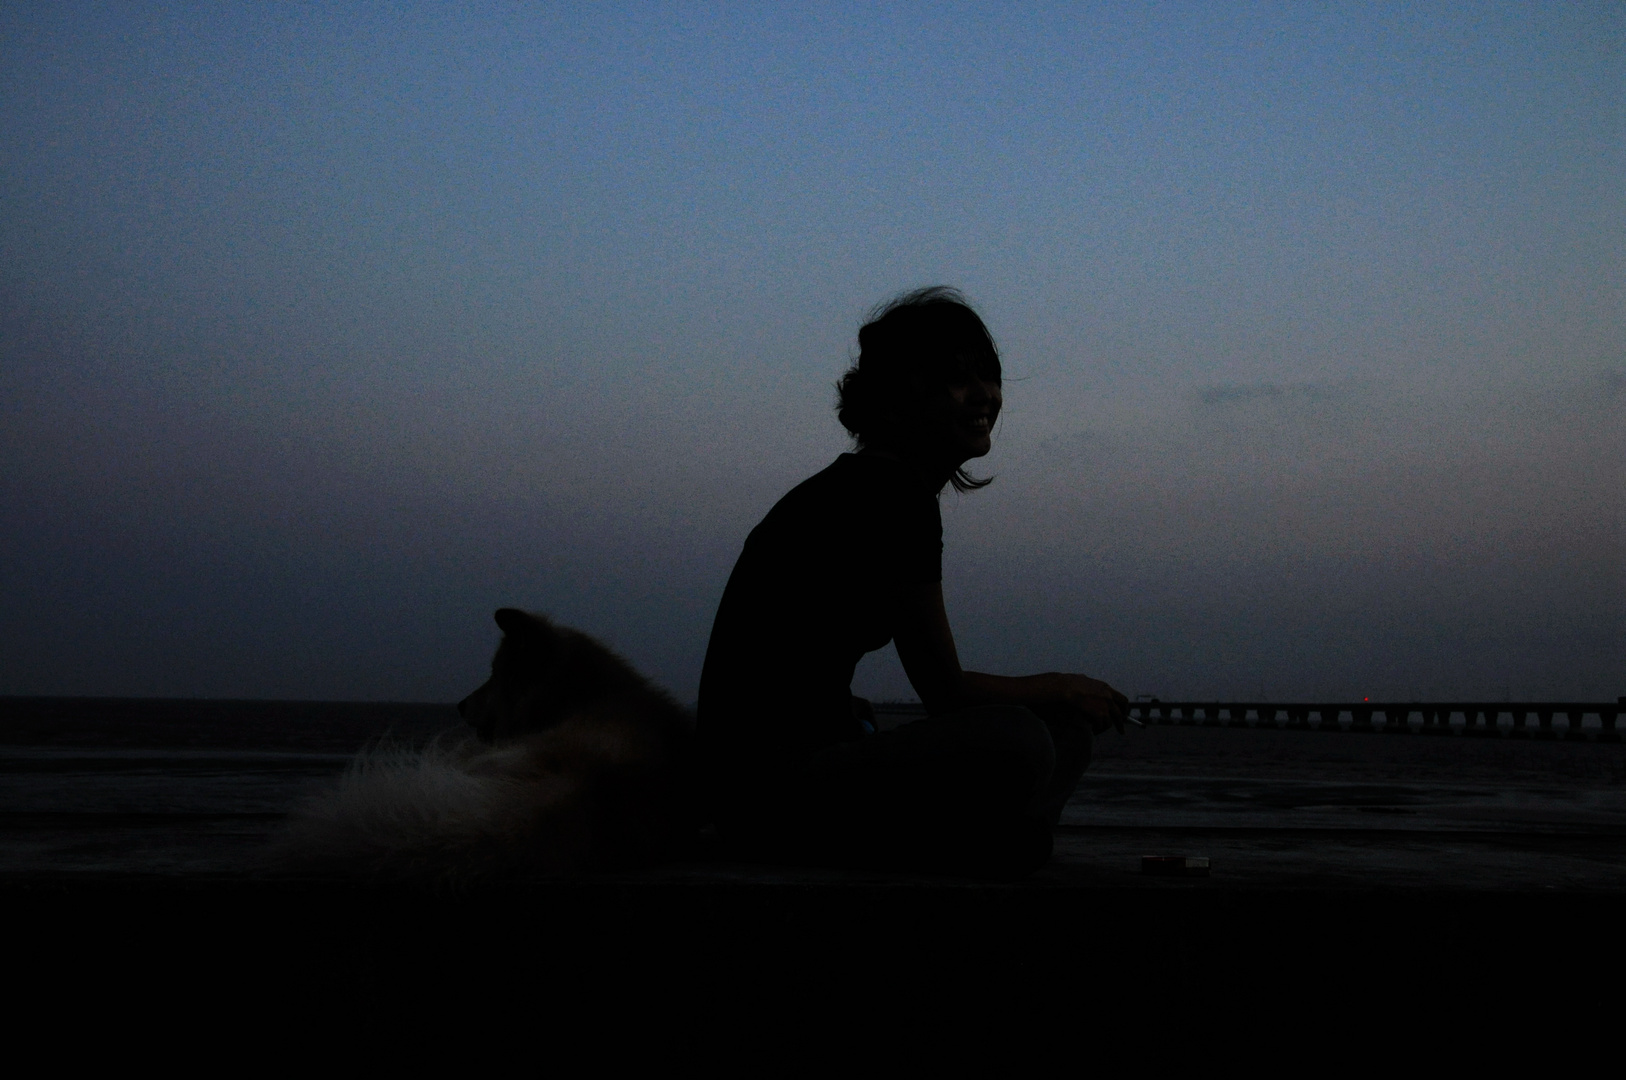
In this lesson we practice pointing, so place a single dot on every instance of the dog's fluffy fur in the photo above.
(576, 762)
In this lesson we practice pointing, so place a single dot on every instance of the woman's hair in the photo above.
(909, 348)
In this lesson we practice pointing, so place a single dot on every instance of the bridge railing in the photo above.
(1538, 719)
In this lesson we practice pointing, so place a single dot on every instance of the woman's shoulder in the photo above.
(855, 494)
(859, 478)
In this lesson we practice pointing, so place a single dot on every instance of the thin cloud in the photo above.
(1234, 393)
(1227, 393)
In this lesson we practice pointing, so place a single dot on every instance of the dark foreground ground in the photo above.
(1424, 869)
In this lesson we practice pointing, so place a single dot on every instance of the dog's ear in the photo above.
(518, 624)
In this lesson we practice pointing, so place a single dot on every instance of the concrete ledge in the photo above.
(278, 961)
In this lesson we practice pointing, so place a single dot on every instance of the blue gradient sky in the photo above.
(323, 333)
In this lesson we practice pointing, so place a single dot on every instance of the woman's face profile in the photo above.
(960, 417)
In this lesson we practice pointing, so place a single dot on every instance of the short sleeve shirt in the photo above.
(814, 590)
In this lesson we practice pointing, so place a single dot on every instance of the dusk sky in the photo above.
(326, 330)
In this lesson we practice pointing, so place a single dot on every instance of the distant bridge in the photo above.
(1487, 719)
(1523, 719)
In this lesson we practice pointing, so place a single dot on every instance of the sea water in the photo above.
(153, 787)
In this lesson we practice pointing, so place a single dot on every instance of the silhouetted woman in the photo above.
(847, 561)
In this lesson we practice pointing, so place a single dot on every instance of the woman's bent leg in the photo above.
(967, 792)
(1074, 740)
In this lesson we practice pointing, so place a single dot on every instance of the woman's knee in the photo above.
(1071, 731)
(1015, 739)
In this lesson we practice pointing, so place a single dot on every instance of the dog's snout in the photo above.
(470, 707)
(476, 711)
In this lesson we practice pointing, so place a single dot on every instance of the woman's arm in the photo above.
(926, 647)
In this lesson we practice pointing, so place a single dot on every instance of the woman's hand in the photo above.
(1103, 706)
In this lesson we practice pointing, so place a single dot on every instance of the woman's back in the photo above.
(813, 591)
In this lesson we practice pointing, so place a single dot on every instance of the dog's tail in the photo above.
(450, 813)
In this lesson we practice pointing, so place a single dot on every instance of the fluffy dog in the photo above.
(577, 762)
